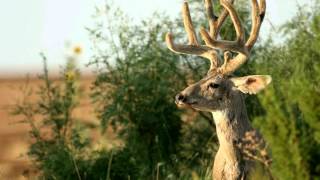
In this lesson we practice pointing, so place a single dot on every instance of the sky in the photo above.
(34, 26)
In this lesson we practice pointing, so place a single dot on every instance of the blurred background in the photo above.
(87, 87)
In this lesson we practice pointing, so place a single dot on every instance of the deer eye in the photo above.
(214, 85)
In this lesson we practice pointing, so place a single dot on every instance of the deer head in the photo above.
(218, 88)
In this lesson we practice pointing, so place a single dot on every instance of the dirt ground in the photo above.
(14, 138)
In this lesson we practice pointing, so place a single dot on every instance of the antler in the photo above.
(193, 47)
(214, 21)
(243, 49)
(212, 44)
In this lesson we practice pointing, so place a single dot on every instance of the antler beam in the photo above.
(209, 50)
(258, 13)
(193, 47)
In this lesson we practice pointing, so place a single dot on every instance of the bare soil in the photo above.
(14, 137)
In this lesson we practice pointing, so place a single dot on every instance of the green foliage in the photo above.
(54, 139)
(61, 148)
(135, 90)
(291, 123)
(136, 81)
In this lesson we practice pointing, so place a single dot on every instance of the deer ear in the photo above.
(251, 84)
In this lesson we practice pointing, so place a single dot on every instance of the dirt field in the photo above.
(14, 136)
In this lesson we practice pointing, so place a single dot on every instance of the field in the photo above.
(14, 136)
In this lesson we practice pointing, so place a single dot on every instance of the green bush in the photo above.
(134, 93)
(291, 123)
(136, 81)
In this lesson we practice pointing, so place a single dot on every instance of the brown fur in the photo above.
(230, 116)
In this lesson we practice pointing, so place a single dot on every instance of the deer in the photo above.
(219, 92)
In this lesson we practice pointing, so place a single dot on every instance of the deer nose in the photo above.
(181, 98)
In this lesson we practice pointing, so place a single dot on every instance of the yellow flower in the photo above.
(77, 50)
(70, 75)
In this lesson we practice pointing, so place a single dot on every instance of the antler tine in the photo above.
(212, 18)
(188, 25)
(236, 46)
(215, 22)
(235, 20)
(187, 49)
(222, 18)
(258, 13)
(193, 48)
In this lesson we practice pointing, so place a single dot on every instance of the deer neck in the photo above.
(232, 121)
(231, 124)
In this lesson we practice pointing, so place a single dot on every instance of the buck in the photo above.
(219, 92)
